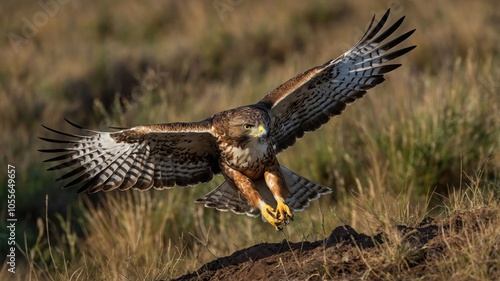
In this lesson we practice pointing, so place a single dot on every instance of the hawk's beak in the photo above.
(259, 131)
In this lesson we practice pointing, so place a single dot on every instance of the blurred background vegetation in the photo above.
(429, 129)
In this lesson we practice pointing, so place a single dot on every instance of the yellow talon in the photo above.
(283, 212)
(269, 214)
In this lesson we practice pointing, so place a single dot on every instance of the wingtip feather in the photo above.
(73, 124)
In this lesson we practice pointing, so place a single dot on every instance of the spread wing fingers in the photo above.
(159, 156)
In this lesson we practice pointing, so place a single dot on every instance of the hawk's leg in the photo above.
(248, 189)
(269, 214)
(276, 183)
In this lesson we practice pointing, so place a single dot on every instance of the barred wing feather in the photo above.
(159, 156)
(307, 101)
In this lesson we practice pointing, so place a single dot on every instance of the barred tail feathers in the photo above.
(225, 198)
(302, 190)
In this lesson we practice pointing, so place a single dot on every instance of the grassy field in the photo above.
(428, 133)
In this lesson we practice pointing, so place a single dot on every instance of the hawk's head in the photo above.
(242, 125)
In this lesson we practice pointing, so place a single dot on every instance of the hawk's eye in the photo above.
(247, 126)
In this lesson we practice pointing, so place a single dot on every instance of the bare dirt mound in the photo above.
(349, 255)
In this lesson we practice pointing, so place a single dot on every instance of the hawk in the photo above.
(240, 143)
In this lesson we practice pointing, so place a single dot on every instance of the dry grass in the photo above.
(428, 130)
(469, 234)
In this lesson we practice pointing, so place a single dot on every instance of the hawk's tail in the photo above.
(228, 198)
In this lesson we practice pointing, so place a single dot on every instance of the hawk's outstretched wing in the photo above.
(304, 103)
(142, 157)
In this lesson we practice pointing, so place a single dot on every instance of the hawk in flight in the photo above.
(240, 143)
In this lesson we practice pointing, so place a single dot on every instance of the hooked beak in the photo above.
(258, 131)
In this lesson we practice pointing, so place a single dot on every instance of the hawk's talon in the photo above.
(270, 215)
(283, 212)
(279, 217)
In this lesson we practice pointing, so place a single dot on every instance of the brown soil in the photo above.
(348, 255)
